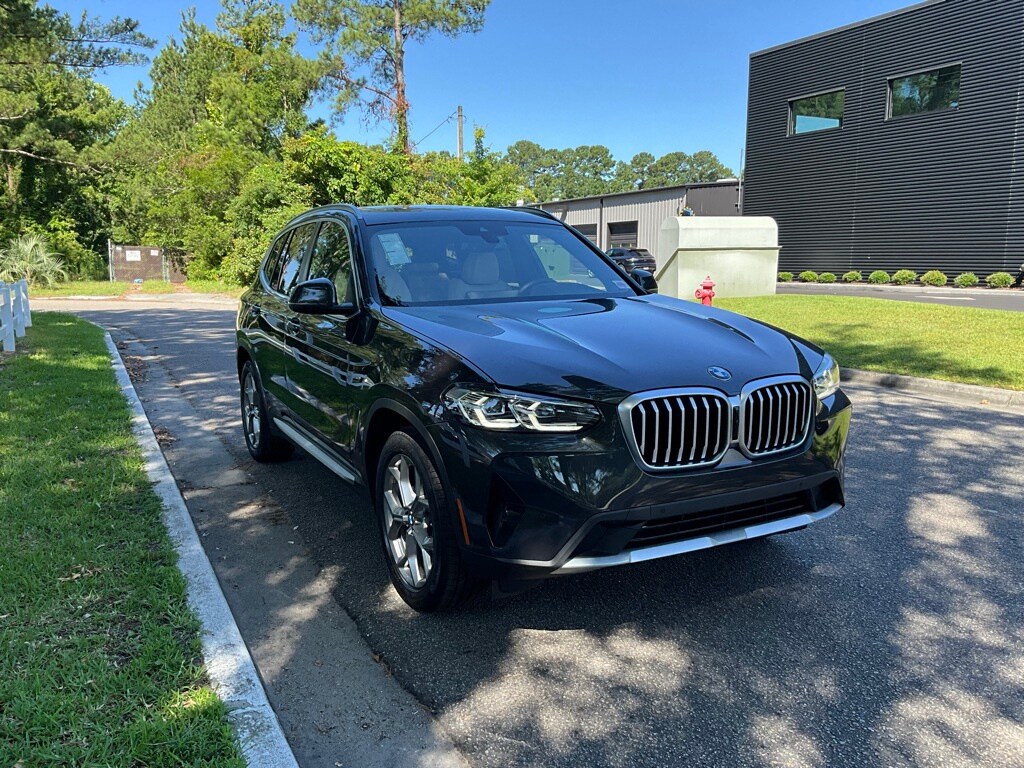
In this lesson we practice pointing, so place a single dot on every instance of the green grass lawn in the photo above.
(976, 346)
(120, 288)
(100, 661)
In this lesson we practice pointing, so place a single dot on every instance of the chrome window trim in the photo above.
(625, 409)
(757, 384)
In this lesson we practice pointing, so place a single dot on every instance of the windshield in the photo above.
(466, 262)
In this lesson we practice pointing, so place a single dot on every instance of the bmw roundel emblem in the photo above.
(719, 373)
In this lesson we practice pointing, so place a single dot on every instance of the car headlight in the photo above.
(509, 410)
(826, 378)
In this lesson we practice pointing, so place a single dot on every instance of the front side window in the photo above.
(332, 258)
(817, 113)
(925, 91)
(272, 266)
(465, 262)
(291, 260)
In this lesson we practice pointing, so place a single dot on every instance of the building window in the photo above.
(925, 91)
(817, 113)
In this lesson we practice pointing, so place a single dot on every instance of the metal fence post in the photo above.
(6, 318)
(26, 307)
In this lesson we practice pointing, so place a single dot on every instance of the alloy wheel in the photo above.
(407, 525)
(251, 410)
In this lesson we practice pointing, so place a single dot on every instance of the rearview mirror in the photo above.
(318, 297)
(646, 280)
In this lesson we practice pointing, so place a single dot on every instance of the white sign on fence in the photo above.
(15, 313)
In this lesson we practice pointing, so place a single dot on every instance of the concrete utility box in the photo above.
(741, 253)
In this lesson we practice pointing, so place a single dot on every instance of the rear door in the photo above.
(321, 364)
(277, 322)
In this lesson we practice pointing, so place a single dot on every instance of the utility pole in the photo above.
(460, 120)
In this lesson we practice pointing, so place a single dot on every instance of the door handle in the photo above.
(255, 310)
(293, 326)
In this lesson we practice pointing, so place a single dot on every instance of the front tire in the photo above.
(263, 444)
(417, 531)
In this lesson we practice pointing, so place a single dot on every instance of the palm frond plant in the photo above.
(30, 257)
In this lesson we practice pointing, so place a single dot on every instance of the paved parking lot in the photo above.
(1012, 300)
(891, 635)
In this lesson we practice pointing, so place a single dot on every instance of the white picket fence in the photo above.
(15, 313)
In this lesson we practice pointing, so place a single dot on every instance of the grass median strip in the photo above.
(974, 346)
(99, 654)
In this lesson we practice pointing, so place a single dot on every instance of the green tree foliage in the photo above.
(55, 123)
(591, 170)
(223, 101)
(318, 169)
(364, 43)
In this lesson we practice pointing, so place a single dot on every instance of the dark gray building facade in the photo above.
(895, 142)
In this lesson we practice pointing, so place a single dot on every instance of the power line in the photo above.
(436, 129)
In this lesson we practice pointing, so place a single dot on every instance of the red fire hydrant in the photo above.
(706, 292)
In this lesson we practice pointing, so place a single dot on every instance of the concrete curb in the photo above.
(948, 390)
(228, 663)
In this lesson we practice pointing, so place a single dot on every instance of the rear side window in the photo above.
(272, 267)
(291, 260)
(332, 258)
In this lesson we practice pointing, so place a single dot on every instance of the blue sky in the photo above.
(640, 75)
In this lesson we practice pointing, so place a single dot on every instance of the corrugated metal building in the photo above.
(895, 142)
(633, 218)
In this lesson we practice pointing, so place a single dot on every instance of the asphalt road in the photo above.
(1012, 300)
(890, 635)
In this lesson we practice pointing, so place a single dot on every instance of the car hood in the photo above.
(605, 349)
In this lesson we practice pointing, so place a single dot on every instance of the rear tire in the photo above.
(417, 531)
(263, 444)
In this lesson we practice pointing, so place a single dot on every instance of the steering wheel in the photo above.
(528, 289)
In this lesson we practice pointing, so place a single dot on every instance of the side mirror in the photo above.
(318, 297)
(646, 280)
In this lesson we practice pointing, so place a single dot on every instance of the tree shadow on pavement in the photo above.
(889, 635)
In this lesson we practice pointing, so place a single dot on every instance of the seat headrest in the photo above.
(480, 268)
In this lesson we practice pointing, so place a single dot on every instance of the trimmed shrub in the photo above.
(853, 277)
(809, 276)
(826, 277)
(903, 277)
(785, 277)
(966, 280)
(878, 277)
(935, 278)
(999, 280)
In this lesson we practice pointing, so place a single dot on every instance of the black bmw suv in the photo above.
(518, 407)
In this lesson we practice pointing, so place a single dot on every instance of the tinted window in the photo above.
(291, 261)
(479, 261)
(817, 113)
(272, 266)
(332, 258)
(925, 92)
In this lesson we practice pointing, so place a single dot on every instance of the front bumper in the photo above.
(540, 505)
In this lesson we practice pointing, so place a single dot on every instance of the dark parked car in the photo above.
(633, 258)
(519, 408)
